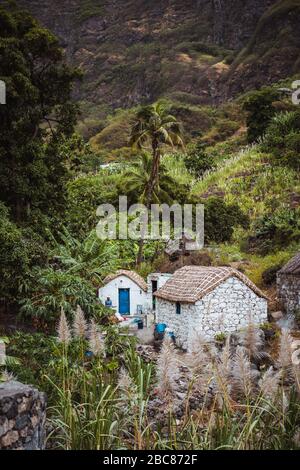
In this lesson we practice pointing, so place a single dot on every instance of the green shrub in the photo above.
(282, 139)
(85, 194)
(81, 158)
(275, 230)
(269, 275)
(14, 256)
(74, 271)
(260, 108)
(36, 351)
(258, 264)
(198, 161)
(220, 337)
(221, 219)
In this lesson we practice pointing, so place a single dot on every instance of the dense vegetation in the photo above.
(35, 123)
(112, 399)
(240, 159)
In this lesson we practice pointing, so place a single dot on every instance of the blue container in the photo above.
(160, 327)
(89, 354)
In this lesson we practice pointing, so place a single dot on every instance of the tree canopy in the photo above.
(38, 115)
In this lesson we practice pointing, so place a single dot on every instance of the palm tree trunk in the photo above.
(154, 173)
(151, 186)
(139, 258)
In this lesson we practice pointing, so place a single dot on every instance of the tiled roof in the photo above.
(135, 277)
(293, 266)
(190, 283)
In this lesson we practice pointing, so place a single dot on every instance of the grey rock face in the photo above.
(288, 289)
(22, 417)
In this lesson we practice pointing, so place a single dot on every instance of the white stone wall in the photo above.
(111, 289)
(226, 309)
(181, 324)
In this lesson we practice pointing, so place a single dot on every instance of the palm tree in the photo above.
(136, 180)
(155, 127)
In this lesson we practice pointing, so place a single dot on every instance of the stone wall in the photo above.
(226, 309)
(22, 417)
(179, 324)
(288, 291)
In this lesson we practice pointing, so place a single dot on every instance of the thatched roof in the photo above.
(135, 277)
(190, 283)
(292, 267)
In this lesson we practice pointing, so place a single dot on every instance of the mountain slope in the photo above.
(273, 51)
(134, 52)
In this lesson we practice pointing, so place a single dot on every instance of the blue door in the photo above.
(124, 301)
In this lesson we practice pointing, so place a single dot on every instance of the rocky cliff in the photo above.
(194, 51)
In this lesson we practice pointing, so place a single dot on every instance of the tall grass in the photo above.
(137, 406)
(247, 157)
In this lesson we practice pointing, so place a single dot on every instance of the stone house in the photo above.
(130, 294)
(210, 300)
(288, 285)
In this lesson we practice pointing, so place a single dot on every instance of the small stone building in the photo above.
(288, 285)
(127, 291)
(130, 294)
(210, 300)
